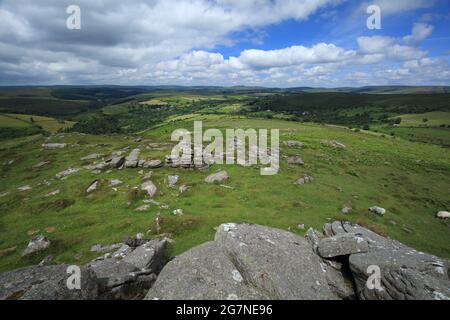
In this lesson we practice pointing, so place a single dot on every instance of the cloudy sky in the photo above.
(276, 43)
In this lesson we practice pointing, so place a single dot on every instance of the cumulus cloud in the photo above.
(420, 32)
(175, 41)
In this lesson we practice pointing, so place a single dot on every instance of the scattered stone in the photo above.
(66, 173)
(93, 186)
(132, 160)
(217, 177)
(183, 188)
(54, 145)
(144, 207)
(138, 139)
(443, 215)
(91, 156)
(301, 226)
(38, 243)
(304, 180)
(178, 212)
(378, 210)
(292, 143)
(40, 164)
(172, 181)
(115, 182)
(53, 193)
(116, 162)
(152, 164)
(295, 160)
(25, 188)
(346, 210)
(140, 236)
(4, 194)
(333, 144)
(150, 187)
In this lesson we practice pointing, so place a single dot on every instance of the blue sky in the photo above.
(275, 43)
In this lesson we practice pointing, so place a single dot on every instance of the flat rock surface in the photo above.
(245, 262)
(46, 283)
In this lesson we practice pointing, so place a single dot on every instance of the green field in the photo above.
(429, 119)
(410, 180)
(25, 120)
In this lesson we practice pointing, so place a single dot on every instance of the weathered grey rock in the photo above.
(333, 144)
(94, 185)
(286, 260)
(443, 215)
(41, 164)
(148, 256)
(313, 237)
(38, 243)
(66, 173)
(46, 283)
(172, 181)
(183, 188)
(346, 210)
(122, 252)
(245, 262)
(378, 210)
(295, 160)
(152, 164)
(54, 145)
(91, 156)
(304, 179)
(53, 193)
(25, 188)
(217, 177)
(406, 274)
(202, 273)
(341, 245)
(178, 212)
(112, 273)
(115, 182)
(339, 279)
(116, 162)
(150, 187)
(132, 160)
(105, 248)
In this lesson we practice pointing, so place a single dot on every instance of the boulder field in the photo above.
(248, 262)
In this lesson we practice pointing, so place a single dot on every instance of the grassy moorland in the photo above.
(410, 180)
(393, 158)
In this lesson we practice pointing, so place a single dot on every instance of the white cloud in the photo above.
(389, 7)
(319, 53)
(420, 32)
